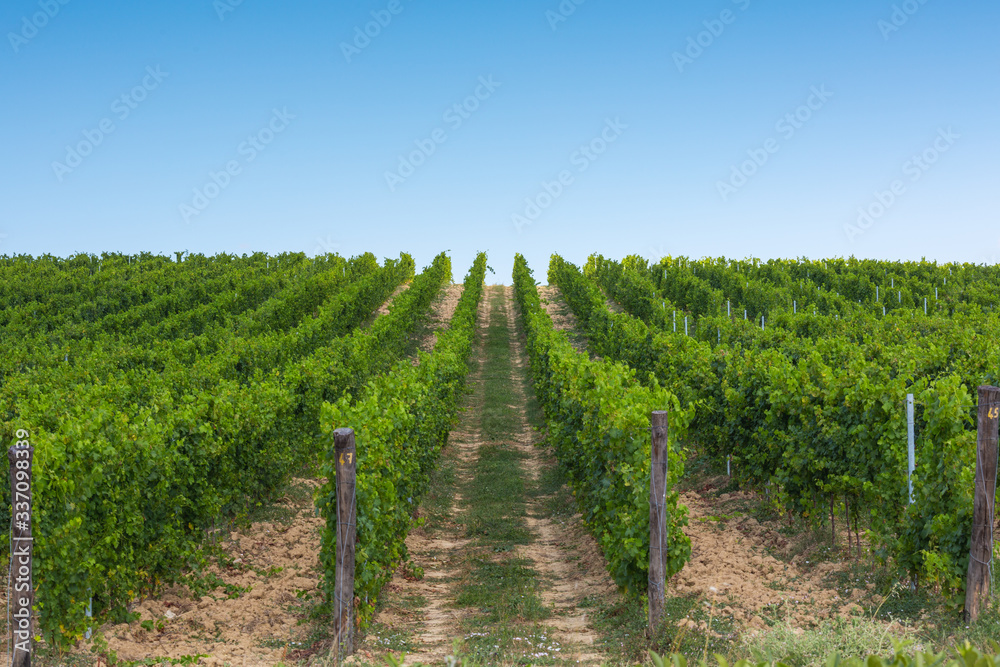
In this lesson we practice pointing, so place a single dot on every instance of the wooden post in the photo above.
(347, 465)
(658, 520)
(22, 589)
(977, 588)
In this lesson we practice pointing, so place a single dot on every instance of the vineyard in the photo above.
(168, 400)
(806, 392)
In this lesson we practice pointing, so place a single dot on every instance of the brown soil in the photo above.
(612, 304)
(274, 561)
(571, 565)
(442, 310)
(562, 315)
(754, 570)
(384, 308)
(440, 552)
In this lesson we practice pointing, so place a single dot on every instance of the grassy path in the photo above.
(507, 570)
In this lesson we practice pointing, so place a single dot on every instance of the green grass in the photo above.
(45, 657)
(437, 504)
(495, 494)
(500, 418)
(380, 637)
(496, 499)
(158, 662)
(521, 645)
(558, 503)
(503, 590)
(623, 623)
(500, 587)
(848, 637)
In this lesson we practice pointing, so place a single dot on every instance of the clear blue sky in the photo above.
(310, 115)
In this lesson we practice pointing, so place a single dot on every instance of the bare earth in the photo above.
(564, 553)
(274, 561)
(731, 556)
(440, 552)
(562, 316)
(384, 308)
(441, 313)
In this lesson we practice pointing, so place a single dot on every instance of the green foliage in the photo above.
(149, 426)
(401, 420)
(962, 656)
(812, 405)
(598, 418)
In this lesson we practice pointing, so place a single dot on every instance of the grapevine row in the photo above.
(821, 417)
(598, 418)
(401, 420)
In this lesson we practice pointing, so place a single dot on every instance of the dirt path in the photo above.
(438, 547)
(384, 308)
(424, 617)
(567, 557)
(612, 305)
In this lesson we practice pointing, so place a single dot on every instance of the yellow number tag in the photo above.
(350, 458)
(993, 413)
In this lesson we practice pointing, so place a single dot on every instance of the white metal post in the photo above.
(910, 446)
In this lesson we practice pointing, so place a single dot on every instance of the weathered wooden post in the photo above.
(347, 464)
(658, 520)
(977, 587)
(21, 593)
